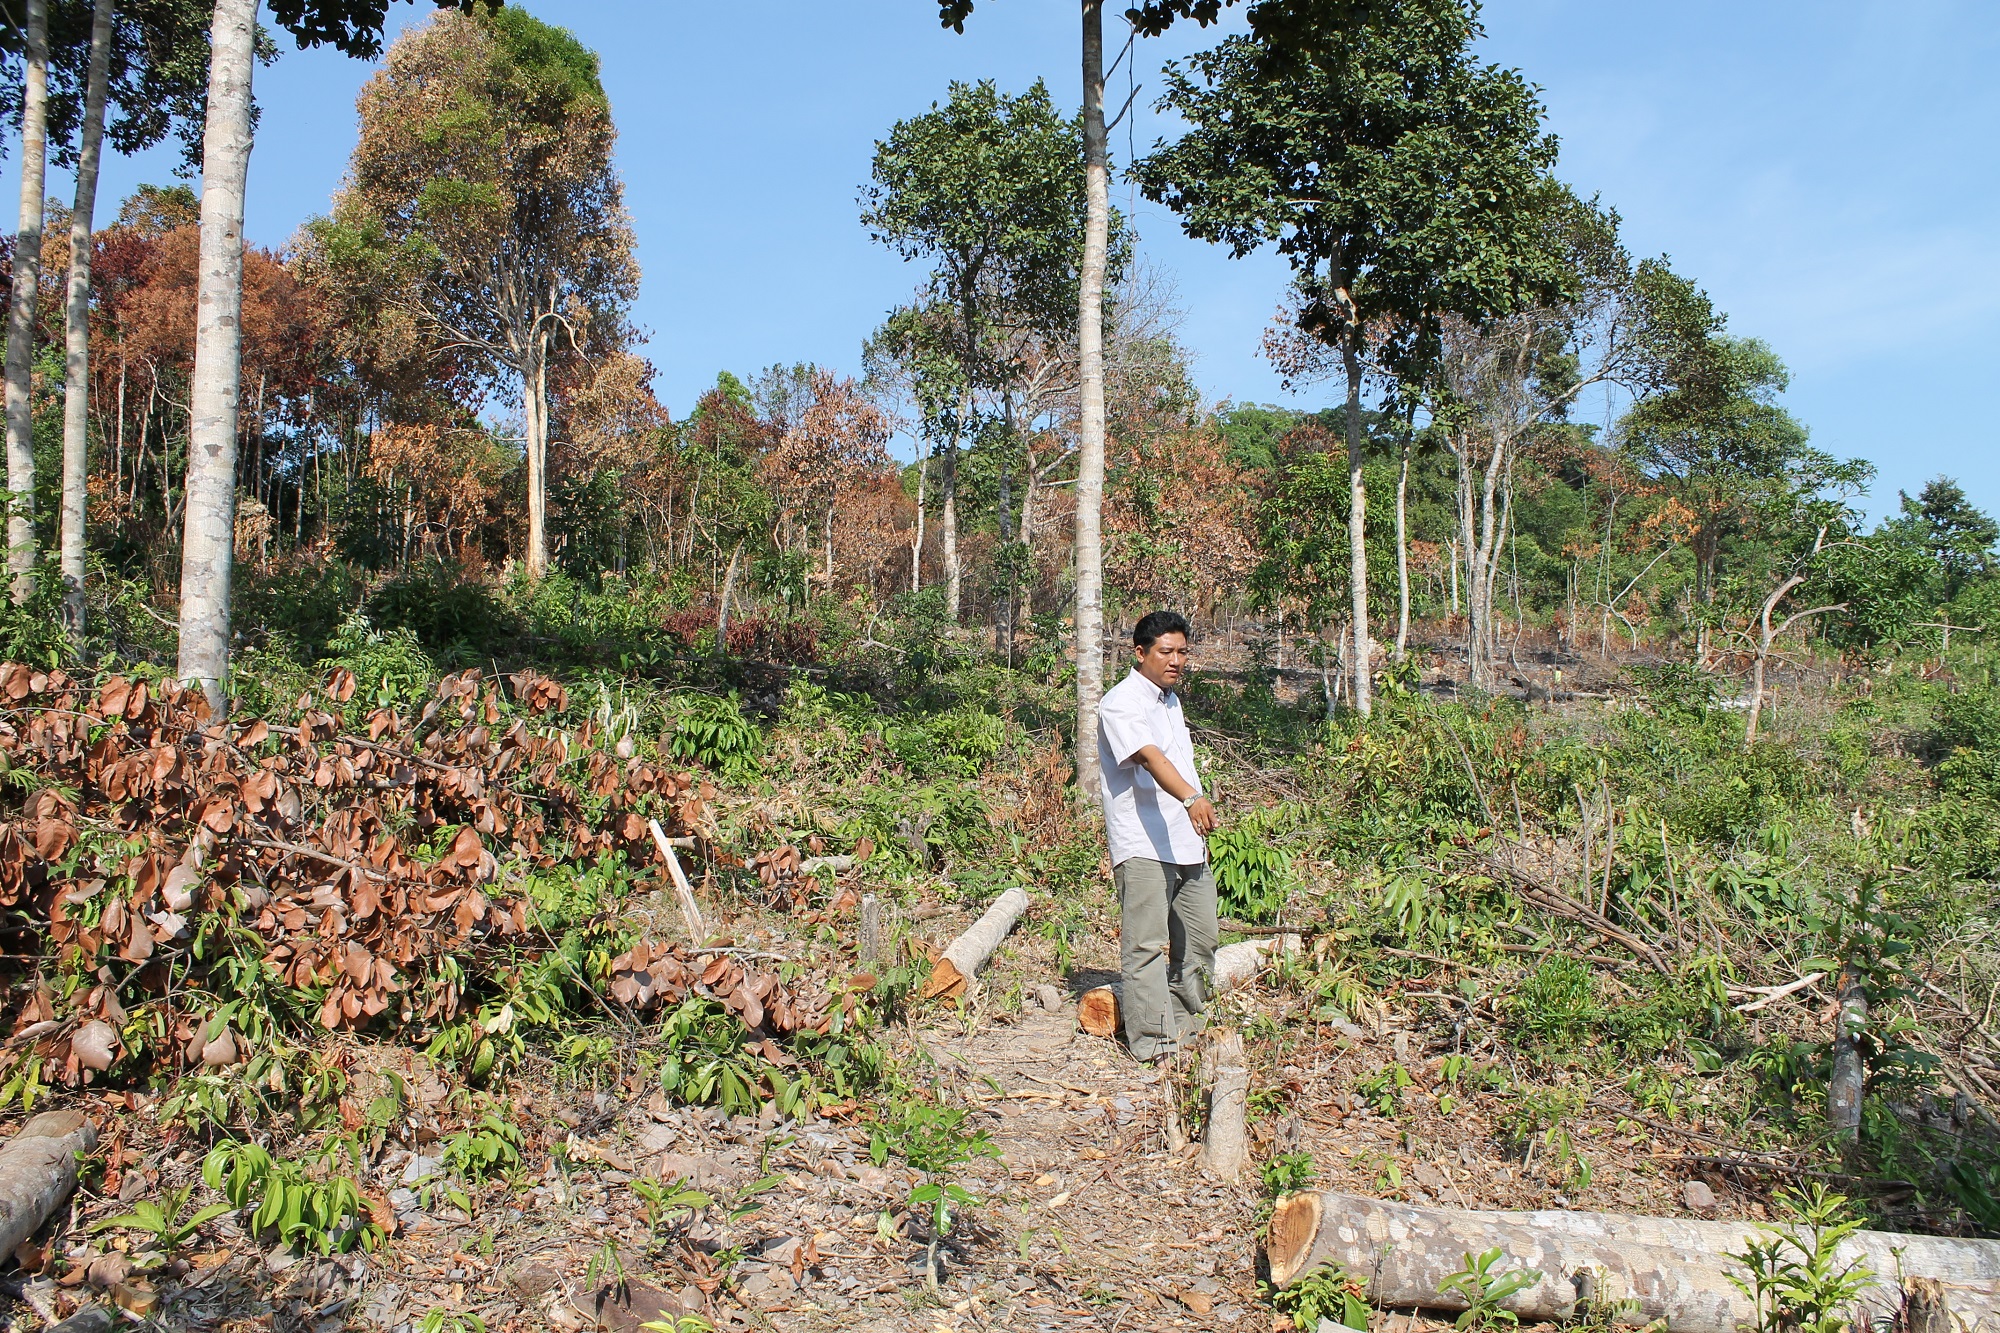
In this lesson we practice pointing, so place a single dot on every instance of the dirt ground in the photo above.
(1085, 1220)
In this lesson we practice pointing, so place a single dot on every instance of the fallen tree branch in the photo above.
(1557, 903)
(1771, 993)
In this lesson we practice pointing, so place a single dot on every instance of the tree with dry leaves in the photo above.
(483, 196)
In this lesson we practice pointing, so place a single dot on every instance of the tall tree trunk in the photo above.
(76, 323)
(1482, 545)
(917, 542)
(1403, 554)
(948, 526)
(535, 421)
(209, 544)
(21, 311)
(1090, 419)
(1029, 490)
(728, 591)
(1357, 530)
(1003, 610)
(118, 448)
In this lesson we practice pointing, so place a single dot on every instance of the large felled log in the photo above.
(1235, 965)
(38, 1172)
(963, 957)
(1668, 1268)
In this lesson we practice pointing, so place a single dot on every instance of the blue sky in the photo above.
(1828, 169)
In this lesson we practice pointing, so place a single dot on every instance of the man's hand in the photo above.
(1202, 815)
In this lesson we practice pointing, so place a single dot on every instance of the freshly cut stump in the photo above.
(38, 1172)
(1235, 965)
(964, 956)
(1671, 1269)
(1225, 1146)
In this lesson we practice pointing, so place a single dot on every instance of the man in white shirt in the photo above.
(1156, 819)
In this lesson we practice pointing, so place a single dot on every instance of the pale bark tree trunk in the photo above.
(76, 377)
(1480, 535)
(1766, 637)
(1673, 1270)
(21, 311)
(1225, 1148)
(1029, 490)
(917, 543)
(949, 526)
(535, 425)
(1090, 418)
(38, 1169)
(1403, 554)
(1362, 686)
(1848, 1083)
(728, 590)
(208, 546)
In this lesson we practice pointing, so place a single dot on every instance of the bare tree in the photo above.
(208, 545)
(76, 322)
(21, 309)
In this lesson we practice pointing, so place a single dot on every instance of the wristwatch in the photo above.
(1188, 804)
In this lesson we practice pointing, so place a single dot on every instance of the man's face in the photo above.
(1164, 661)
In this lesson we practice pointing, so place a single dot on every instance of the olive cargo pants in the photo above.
(1166, 947)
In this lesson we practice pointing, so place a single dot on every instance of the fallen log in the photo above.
(1097, 1010)
(1235, 965)
(963, 957)
(38, 1172)
(1671, 1269)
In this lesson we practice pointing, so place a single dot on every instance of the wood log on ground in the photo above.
(1225, 1146)
(1243, 962)
(1670, 1269)
(1235, 965)
(963, 957)
(38, 1172)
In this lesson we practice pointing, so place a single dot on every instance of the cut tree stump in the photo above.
(963, 957)
(1844, 1087)
(683, 891)
(1235, 965)
(1224, 1145)
(38, 1172)
(1671, 1269)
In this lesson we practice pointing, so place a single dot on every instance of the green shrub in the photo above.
(444, 609)
(1251, 873)
(389, 666)
(1555, 1005)
(713, 732)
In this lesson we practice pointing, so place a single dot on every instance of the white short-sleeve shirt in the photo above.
(1139, 818)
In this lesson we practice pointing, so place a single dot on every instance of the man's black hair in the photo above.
(1151, 626)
